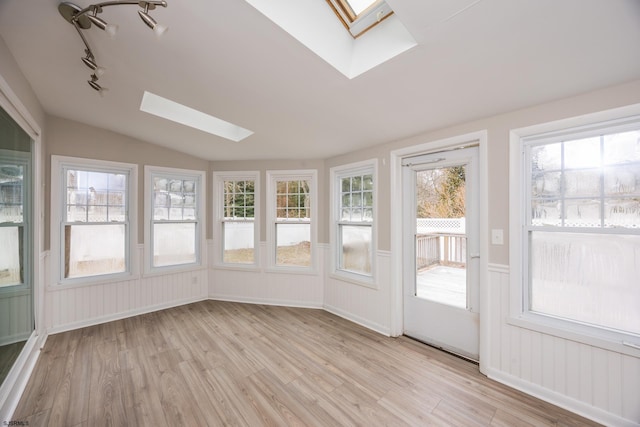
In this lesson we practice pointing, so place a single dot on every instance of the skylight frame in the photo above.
(358, 24)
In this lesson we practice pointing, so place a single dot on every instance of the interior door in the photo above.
(440, 243)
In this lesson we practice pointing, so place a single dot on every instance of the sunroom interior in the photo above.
(465, 173)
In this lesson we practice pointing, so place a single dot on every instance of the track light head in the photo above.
(82, 19)
(158, 29)
(94, 83)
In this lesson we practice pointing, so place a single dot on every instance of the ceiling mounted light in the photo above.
(82, 19)
(151, 23)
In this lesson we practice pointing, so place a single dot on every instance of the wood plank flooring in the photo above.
(228, 364)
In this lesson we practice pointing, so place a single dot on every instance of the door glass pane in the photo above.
(441, 242)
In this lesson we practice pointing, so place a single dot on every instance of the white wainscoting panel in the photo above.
(268, 287)
(367, 306)
(600, 384)
(75, 307)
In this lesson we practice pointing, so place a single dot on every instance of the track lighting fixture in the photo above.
(82, 19)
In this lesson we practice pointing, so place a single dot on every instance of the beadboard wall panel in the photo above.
(601, 384)
(71, 307)
(268, 287)
(367, 306)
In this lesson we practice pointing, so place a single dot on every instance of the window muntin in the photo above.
(583, 228)
(176, 222)
(95, 222)
(355, 223)
(238, 221)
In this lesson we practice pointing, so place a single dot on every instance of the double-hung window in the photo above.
(175, 205)
(581, 231)
(94, 217)
(353, 214)
(291, 218)
(237, 215)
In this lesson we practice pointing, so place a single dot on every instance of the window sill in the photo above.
(293, 270)
(162, 271)
(97, 281)
(367, 282)
(601, 338)
(252, 268)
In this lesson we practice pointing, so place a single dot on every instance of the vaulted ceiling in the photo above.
(472, 59)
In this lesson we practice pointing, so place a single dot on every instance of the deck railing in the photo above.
(440, 249)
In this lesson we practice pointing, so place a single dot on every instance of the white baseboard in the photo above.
(265, 301)
(384, 330)
(122, 315)
(561, 400)
(16, 382)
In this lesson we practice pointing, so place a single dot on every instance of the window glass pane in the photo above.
(238, 242)
(546, 212)
(174, 244)
(238, 199)
(292, 200)
(91, 250)
(546, 157)
(11, 261)
(588, 278)
(622, 180)
(582, 153)
(95, 196)
(622, 213)
(293, 245)
(582, 213)
(367, 182)
(11, 193)
(585, 182)
(356, 248)
(622, 148)
(358, 6)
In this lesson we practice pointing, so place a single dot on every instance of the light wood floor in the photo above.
(218, 363)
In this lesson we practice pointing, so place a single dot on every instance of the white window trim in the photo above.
(218, 235)
(518, 313)
(291, 175)
(58, 163)
(336, 174)
(200, 178)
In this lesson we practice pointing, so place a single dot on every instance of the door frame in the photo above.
(397, 310)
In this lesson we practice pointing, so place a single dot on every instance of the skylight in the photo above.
(359, 16)
(358, 6)
(171, 110)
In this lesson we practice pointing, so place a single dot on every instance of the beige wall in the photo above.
(264, 165)
(10, 71)
(498, 129)
(69, 138)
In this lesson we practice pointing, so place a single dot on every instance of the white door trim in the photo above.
(396, 296)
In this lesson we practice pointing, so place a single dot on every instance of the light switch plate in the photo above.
(497, 237)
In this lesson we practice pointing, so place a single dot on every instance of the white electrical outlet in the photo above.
(497, 237)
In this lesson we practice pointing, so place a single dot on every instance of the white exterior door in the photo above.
(441, 250)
